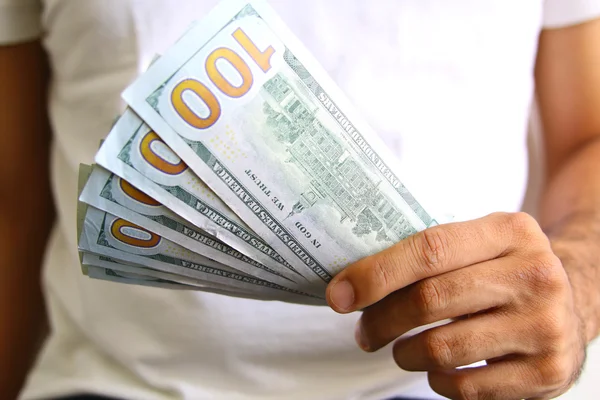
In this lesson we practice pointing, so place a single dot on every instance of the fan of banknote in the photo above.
(239, 168)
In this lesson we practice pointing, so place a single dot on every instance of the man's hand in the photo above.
(508, 294)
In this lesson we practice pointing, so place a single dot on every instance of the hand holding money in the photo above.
(239, 167)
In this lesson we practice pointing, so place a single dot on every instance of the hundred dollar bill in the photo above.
(107, 274)
(244, 105)
(138, 273)
(111, 236)
(135, 153)
(130, 268)
(116, 196)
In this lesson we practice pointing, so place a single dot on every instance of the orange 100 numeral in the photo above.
(136, 194)
(261, 58)
(119, 232)
(156, 160)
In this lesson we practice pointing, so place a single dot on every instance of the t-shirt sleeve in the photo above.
(561, 13)
(20, 20)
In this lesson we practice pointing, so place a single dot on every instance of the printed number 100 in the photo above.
(261, 58)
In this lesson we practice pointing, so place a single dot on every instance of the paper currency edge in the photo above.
(84, 174)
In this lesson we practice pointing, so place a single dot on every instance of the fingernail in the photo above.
(359, 336)
(342, 295)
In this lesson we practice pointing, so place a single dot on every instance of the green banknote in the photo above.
(135, 153)
(109, 269)
(108, 235)
(116, 196)
(244, 105)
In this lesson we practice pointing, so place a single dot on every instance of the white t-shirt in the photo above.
(448, 84)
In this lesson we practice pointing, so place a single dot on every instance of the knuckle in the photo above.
(552, 331)
(430, 247)
(438, 349)
(545, 272)
(522, 225)
(431, 300)
(557, 373)
(548, 260)
(521, 221)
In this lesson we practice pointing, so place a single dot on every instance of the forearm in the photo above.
(570, 215)
(22, 313)
(26, 207)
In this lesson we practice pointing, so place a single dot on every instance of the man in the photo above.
(448, 84)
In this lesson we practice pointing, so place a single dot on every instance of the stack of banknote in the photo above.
(239, 168)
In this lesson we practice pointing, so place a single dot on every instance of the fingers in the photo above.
(461, 343)
(451, 295)
(429, 253)
(517, 378)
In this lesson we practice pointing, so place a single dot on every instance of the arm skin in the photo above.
(568, 83)
(26, 208)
